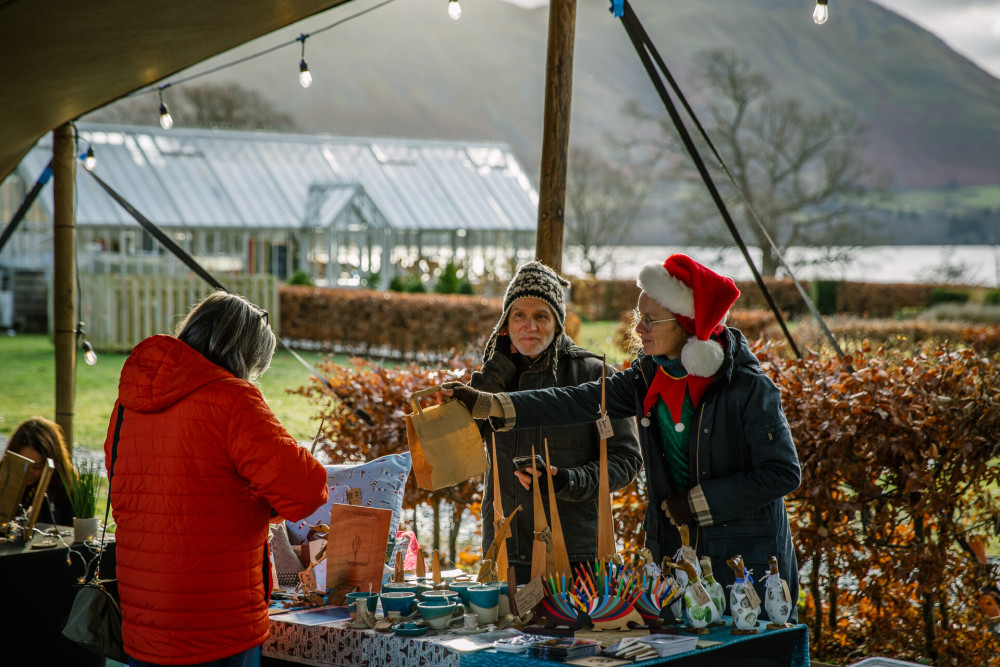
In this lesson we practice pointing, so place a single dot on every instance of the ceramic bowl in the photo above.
(441, 595)
(402, 602)
(420, 588)
(371, 599)
(438, 616)
(400, 587)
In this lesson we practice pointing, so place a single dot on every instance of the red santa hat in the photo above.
(700, 300)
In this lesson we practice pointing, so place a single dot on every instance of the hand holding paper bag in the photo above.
(445, 445)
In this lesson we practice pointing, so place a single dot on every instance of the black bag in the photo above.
(95, 620)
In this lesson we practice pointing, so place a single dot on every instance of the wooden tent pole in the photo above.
(555, 137)
(64, 311)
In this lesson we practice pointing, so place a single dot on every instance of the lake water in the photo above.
(970, 265)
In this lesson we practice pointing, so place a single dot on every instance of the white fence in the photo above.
(121, 310)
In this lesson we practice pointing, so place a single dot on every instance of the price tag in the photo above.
(688, 553)
(784, 589)
(604, 427)
(699, 593)
(308, 579)
(752, 596)
(529, 596)
(354, 496)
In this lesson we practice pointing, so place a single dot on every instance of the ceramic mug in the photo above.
(400, 587)
(504, 608)
(462, 588)
(485, 602)
(438, 616)
(401, 602)
(370, 599)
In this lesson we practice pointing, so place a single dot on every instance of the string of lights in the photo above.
(305, 75)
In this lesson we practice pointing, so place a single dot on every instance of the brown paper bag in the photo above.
(445, 445)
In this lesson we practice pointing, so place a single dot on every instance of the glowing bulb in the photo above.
(88, 353)
(305, 78)
(166, 120)
(91, 161)
(821, 13)
(454, 10)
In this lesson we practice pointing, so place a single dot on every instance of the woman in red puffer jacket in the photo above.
(202, 465)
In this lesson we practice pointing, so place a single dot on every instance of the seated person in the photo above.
(39, 439)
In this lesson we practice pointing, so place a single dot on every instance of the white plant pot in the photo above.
(85, 529)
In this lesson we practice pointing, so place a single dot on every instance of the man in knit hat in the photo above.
(717, 450)
(529, 349)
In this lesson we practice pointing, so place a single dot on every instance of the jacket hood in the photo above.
(162, 370)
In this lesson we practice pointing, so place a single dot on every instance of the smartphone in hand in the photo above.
(524, 462)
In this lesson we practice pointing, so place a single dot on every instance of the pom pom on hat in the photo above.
(701, 298)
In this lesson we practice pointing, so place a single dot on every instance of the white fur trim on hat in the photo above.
(702, 357)
(666, 290)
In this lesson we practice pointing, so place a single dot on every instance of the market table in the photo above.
(37, 583)
(305, 641)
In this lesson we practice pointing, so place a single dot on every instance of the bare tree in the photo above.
(227, 105)
(603, 199)
(802, 171)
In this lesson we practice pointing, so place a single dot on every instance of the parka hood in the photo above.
(162, 370)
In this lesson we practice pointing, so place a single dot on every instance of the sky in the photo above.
(970, 27)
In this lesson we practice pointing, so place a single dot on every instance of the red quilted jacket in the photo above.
(201, 460)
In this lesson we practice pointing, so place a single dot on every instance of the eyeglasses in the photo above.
(644, 321)
(263, 314)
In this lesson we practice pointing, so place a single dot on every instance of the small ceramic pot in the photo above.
(371, 599)
(400, 587)
(485, 602)
(420, 588)
(401, 602)
(438, 616)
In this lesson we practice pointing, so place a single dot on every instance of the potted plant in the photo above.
(82, 492)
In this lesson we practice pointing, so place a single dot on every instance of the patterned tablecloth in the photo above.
(334, 643)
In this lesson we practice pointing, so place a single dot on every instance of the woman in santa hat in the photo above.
(717, 451)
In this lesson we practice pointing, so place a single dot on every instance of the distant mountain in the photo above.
(407, 70)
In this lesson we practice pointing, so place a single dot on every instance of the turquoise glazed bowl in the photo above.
(402, 602)
(437, 615)
(400, 587)
(430, 596)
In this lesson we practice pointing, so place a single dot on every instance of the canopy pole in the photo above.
(555, 137)
(64, 309)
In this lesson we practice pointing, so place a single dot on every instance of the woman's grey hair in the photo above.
(231, 332)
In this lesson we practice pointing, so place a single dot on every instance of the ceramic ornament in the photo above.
(713, 587)
(744, 604)
(686, 552)
(700, 609)
(777, 598)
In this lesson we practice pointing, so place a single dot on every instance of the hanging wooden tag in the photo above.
(699, 593)
(604, 427)
(752, 596)
(354, 496)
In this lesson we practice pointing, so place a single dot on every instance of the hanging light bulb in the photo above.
(166, 120)
(90, 161)
(88, 353)
(821, 13)
(305, 77)
(454, 10)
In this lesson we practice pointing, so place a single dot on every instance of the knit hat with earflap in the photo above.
(700, 300)
(537, 281)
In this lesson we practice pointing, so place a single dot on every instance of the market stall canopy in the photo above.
(64, 58)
